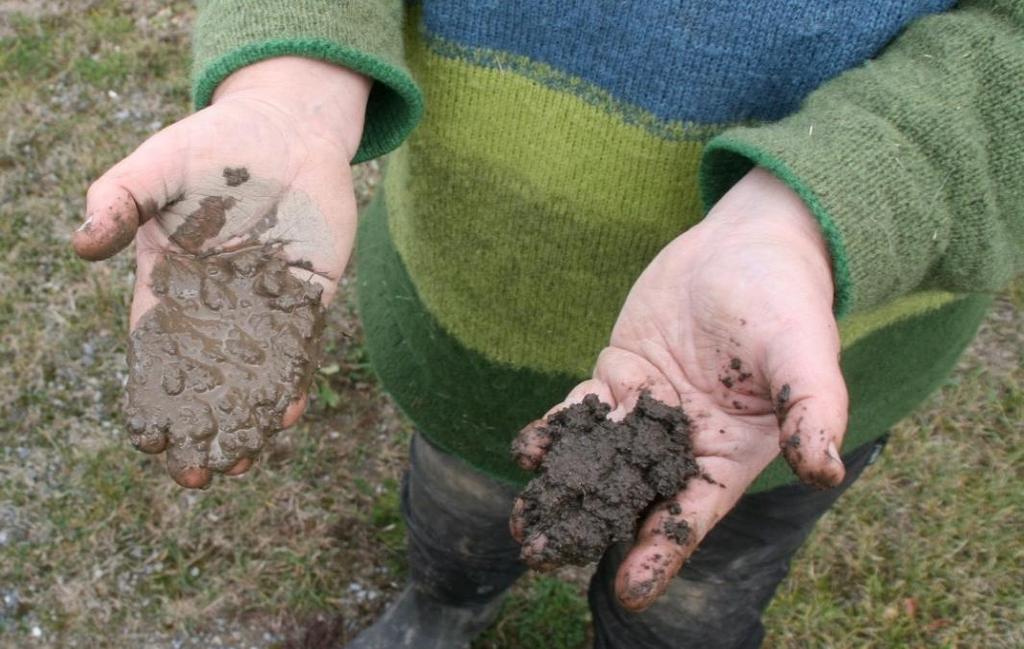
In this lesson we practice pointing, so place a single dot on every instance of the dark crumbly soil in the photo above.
(212, 368)
(599, 476)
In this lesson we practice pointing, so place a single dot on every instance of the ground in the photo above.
(98, 548)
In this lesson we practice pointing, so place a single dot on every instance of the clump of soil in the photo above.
(233, 340)
(599, 477)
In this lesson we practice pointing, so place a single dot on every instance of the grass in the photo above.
(98, 549)
(542, 612)
(925, 550)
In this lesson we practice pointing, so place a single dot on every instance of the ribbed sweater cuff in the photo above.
(728, 158)
(911, 163)
(362, 35)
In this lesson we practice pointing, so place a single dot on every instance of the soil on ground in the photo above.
(234, 339)
(600, 477)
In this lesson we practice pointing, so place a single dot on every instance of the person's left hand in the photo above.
(733, 321)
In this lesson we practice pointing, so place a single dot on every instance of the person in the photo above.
(788, 218)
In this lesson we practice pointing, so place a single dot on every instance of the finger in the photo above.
(516, 522)
(294, 411)
(112, 219)
(533, 554)
(130, 193)
(628, 375)
(193, 478)
(672, 532)
(240, 467)
(811, 402)
(532, 442)
(146, 438)
(187, 462)
(151, 442)
(620, 378)
(597, 387)
(530, 445)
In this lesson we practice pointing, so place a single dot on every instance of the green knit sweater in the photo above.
(560, 145)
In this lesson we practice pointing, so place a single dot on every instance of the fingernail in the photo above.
(833, 452)
(534, 427)
(638, 592)
(533, 549)
(518, 506)
(515, 528)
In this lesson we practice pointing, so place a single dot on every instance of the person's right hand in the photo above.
(732, 321)
(268, 160)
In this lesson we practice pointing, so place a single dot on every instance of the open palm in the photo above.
(733, 321)
(249, 170)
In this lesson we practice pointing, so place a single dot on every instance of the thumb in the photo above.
(130, 193)
(810, 400)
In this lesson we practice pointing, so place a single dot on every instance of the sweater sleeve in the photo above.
(913, 163)
(363, 35)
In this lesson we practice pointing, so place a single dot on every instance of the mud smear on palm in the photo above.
(600, 477)
(234, 339)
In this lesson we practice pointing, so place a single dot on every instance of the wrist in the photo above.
(326, 99)
(761, 204)
(761, 210)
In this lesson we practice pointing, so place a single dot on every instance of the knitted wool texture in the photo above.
(562, 145)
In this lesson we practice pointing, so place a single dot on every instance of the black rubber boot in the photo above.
(416, 620)
(462, 557)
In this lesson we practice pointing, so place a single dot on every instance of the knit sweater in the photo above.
(559, 145)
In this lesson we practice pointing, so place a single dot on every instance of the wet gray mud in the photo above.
(600, 477)
(233, 340)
